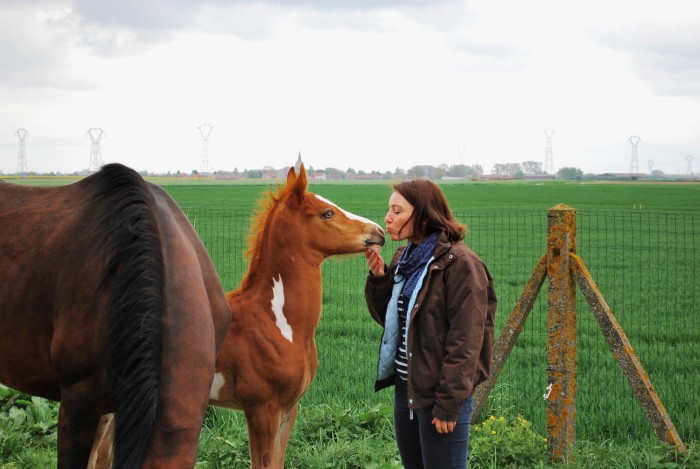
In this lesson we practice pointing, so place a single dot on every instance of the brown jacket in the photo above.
(450, 331)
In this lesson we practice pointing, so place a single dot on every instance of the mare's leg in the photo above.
(77, 423)
(263, 428)
(285, 430)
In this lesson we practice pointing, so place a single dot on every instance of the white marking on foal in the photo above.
(347, 214)
(216, 386)
(277, 305)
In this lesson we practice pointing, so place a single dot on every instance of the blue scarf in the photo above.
(413, 260)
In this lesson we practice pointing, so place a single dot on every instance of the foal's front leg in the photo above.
(263, 428)
(285, 430)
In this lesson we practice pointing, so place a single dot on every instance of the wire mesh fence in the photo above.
(645, 264)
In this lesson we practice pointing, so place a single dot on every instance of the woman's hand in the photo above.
(374, 260)
(443, 426)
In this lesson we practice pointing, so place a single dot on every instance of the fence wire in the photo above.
(645, 265)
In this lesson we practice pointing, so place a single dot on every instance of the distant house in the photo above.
(622, 176)
(674, 177)
(366, 177)
(493, 177)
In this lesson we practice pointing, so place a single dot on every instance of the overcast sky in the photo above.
(367, 84)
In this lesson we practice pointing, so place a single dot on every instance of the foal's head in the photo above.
(303, 220)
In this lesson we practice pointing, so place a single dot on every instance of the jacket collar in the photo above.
(442, 246)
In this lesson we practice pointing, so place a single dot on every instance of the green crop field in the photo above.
(638, 240)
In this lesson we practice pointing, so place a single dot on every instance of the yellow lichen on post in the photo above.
(564, 269)
(561, 337)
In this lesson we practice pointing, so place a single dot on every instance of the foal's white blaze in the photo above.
(277, 308)
(216, 386)
(347, 214)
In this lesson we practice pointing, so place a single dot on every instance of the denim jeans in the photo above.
(420, 445)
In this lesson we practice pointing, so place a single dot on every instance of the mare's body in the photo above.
(109, 302)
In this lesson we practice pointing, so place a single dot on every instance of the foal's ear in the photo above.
(296, 185)
(291, 177)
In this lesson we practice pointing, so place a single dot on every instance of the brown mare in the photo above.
(109, 303)
(268, 359)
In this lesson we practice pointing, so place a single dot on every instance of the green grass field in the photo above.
(643, 259)
(640, 242)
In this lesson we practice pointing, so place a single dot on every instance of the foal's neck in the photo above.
(296, 276)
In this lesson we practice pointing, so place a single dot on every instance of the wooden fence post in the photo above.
(561, 339)
(564, 269)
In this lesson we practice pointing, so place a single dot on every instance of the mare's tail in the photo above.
(134, 273)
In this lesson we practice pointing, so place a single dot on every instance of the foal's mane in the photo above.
(258, 230)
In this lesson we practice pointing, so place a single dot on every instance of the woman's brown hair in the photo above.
(430, 210)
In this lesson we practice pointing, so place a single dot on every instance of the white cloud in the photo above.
(666, 55)
(371, 84)
(30, 55)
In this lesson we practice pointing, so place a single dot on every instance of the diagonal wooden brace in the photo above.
(626, 357)
(509, 334)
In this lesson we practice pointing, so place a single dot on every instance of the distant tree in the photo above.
(532, 167)
(334, 173)
(657, 173)
(417, 172)
(464, 171)
(438, 173)
(254, 174)
(570, 172)
(508, 169)
(457, 171)
(351, 171)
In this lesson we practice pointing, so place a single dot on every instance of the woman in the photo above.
(436, 302)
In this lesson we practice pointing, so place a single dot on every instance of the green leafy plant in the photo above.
(28, 427)
(35, 415)
(508, 443)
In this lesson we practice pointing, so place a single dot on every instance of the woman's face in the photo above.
(398, 225)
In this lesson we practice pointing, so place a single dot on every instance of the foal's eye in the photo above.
(328, 214)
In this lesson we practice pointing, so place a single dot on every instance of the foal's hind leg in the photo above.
(263, 428)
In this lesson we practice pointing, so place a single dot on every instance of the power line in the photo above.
(21, 152)
(95, 136)
(205, 132)
(549, 156)
(46, 142)
(634, 163)
(690, 161)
